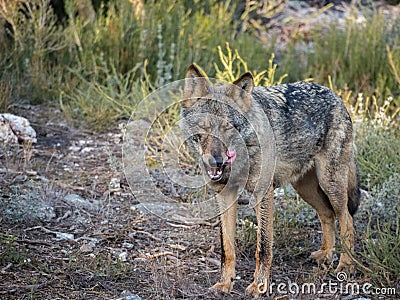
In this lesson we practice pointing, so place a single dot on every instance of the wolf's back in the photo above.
(301, 114)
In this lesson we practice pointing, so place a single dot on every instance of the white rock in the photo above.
(87, 247)
(123, 256)
(7, 136)
(127, 245)
(16, 129)
(87, 149)
(115, 184)
(127, 295)
(64, 235)
(79, 202)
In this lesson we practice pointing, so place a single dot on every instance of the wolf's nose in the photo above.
(215, 162)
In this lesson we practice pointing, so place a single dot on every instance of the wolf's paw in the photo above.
(222, 287)
(322, 256)
(255, 289)
(345, 264)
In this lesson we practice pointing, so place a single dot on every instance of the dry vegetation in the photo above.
(70, 227)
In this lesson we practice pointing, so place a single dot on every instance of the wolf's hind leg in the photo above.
(228, 208)
(265, 216)
(309, 190)
(334, 181)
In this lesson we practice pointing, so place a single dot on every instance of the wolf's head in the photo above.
(214, 121)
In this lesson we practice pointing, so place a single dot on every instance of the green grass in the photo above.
(362, 58)
(12, 252)
(29, 58)
(378, 152)
(231, 65)
(382, 254)
(148, 48)
(5, 95)
(122, 57)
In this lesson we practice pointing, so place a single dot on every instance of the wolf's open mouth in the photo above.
(215, 174)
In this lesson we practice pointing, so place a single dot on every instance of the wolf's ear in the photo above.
(193, 72)
(195, 86)
(245, 82)
(242, 95)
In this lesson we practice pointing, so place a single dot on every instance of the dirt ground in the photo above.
(71, 229)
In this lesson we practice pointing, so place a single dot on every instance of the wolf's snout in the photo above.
(215, 162)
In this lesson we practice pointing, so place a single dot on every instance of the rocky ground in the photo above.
(70, 228)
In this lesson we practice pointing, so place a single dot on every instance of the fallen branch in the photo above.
(15, 172)
(186, 224)
(10, 171)
(68, 186)
(3, 270)
(35, 242)
(59, 235)
(182, 225)
(31, 287)
(147, 234)
(211, 260)
(160, 254)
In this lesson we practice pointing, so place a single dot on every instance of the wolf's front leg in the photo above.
(228, 207)
(265, 216)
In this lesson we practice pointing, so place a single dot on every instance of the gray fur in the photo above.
(312, 149)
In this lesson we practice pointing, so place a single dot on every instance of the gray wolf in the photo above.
(312, 149)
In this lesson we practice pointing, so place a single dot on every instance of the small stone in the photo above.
(127, 245)
(128, 295)
(87, 247)
(87, 149)
(64, 236)
(123, 256)
(79, 202)
(115, 184)
(140, 259)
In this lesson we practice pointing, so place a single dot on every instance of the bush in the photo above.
(125, 55)
(378, 154)
(154, 45)
(29, 55)
(380, 258)
(364, 57)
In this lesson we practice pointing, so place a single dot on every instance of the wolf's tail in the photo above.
(353, 191)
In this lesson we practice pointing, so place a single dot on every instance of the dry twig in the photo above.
(30, 287)
(167, 253)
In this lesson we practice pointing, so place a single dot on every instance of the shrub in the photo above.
(363, 57)
(29, 55)
(380, 258)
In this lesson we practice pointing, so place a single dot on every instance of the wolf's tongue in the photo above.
(231, 156)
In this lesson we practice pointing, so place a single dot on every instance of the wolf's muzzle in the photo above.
(215, 165)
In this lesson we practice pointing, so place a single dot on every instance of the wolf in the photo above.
(311, 147)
